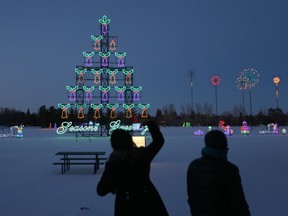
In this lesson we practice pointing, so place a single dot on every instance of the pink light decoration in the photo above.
(120, 95)
(120, 62)
(104, 61)
(88, 61)
(104, 29)
(72, 96)
(89, 95)
(105, 96)
(136, 96)
(215, 80)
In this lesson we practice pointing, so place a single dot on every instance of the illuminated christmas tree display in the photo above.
(104, 85)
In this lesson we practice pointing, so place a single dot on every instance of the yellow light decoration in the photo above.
(112, 45)
(97, 114)
(64, 114)
(97, 79)
(112, 79)
(144, 113)
(276, 80)
(113, 113)
(128, 113)
(80, 113)
(128, 79)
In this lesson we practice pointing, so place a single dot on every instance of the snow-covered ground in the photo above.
(31, 185)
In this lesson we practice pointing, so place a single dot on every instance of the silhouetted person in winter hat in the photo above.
(126, 175)
(213, 183)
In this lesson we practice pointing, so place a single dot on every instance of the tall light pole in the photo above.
(276, 80)
(215, 80)
(191, 75)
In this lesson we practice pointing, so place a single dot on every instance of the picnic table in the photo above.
(80, 158)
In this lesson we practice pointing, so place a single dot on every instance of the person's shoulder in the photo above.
(232, 166)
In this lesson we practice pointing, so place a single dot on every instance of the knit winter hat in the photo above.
(216, 139)
(121, 139)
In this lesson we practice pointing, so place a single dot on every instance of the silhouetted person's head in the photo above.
(216, 139)
(121, 140)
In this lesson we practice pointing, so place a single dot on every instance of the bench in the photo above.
(80, 158)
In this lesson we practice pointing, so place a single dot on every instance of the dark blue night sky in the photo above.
(42, 42)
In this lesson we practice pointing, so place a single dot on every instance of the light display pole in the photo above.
(251, 78)
(276, 80)
(215, 80)
(104, 84)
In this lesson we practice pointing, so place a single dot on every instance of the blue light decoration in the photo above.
(113, 107)
(136, 92)
(128, 110)
(80, 111)
(120, 57)
(97, 42)
(120, 92)
(72, 90)
(64, 108)
(112, 73)
(81, 72)
(88, 92)
(97, 110)
(88, 56)
(97, 75)
(104, 91)
(199, 132)
(128, 76)
(104, 22)
(104, 58)
(144, 108)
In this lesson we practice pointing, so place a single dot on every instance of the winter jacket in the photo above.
(214, 188)
(126, 174)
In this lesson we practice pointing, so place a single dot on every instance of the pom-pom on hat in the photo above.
(121, 139)
(216, 139)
